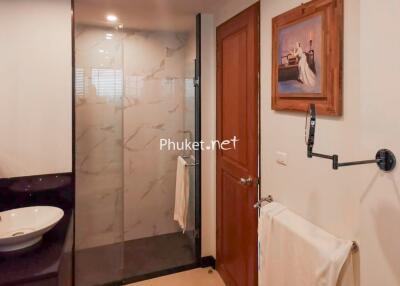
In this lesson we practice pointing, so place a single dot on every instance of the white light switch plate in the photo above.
(281, 158)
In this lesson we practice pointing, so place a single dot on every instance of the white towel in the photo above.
(181, 193)
(294, 252)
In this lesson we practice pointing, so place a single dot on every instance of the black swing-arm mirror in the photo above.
(310, 130)
(384, 158)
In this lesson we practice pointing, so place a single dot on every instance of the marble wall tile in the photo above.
(125, 184)
(99, 139)
(156, 65)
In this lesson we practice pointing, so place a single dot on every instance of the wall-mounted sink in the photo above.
(24, 227)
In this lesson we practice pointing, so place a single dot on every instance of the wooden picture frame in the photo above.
(307, 58)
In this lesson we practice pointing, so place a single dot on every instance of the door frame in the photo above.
(197, 84)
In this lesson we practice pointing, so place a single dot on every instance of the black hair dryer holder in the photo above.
(385, 159)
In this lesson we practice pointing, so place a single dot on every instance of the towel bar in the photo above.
(269, 199)
(191, 164)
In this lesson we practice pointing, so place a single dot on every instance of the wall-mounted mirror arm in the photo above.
(385, 159)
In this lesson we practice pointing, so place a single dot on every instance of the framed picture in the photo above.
(307, 58)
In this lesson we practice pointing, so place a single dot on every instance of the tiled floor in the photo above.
(153, 254)
(195, 277)
(112, 263)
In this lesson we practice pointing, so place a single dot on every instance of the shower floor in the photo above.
(102, 265)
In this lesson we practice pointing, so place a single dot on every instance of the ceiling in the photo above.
(177, 15)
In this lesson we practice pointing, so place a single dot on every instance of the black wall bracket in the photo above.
(384, 158)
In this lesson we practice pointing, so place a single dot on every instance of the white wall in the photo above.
(379, 198)
(327, 198)
(356, 203)
(230, 9)
(35, 87)
(359, 203)
(208, 133)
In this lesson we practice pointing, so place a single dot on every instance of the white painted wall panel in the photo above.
(35, 87)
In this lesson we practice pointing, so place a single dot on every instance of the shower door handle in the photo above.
(246, 181)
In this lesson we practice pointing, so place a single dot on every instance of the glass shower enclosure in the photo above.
(135, 85)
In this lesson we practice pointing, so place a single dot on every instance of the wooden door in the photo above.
(237, 170)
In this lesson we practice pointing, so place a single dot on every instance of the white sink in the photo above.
(24, 227)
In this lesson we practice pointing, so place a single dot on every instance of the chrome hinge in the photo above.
(196, 234)
(196, 82)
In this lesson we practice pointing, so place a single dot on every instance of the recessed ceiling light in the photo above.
(101, 51)
(111, 18)
(109, 35)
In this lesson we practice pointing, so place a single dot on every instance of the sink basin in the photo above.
(24, 227)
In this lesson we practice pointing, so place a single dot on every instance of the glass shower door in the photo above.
(133, 88)
(159, 104)
(99, 155)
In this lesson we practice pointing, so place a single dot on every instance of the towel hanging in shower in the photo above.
(181, 193)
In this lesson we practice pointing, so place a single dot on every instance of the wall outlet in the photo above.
(281, 158)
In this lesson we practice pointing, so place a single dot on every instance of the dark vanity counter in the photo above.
(47, 263)
(50, 261)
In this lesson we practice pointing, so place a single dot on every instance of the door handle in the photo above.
(246, 181)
